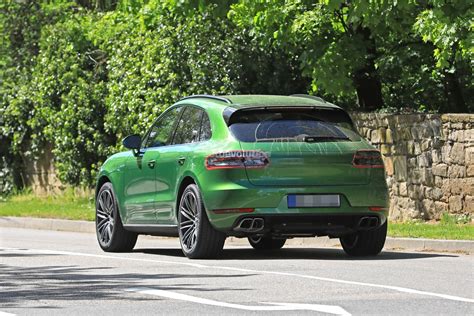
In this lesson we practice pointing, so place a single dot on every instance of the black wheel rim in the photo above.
(255, 239)
(189, 221)
(105, 220)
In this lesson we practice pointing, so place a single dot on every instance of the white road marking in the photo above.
(196, 265)
(330, 309)
(6, 314)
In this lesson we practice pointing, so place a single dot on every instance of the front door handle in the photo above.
(181, 160)
(151, 164)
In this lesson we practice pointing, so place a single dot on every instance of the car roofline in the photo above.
(207, 96)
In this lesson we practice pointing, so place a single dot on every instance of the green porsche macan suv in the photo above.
(263, 167)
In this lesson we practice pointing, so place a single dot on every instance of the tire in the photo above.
(111, 235)
(365, 243)
(199, 240)
(266, 243)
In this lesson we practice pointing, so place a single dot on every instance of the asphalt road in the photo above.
(50, 272)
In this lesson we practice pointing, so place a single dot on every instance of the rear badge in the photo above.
(313, 200)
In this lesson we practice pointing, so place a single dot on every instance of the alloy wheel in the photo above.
(105, 216)
(189, 220)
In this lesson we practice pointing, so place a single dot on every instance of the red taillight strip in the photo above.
(234, 210)
(376, 208)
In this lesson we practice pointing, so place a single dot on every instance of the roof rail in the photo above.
(307, 96)
(213, 97)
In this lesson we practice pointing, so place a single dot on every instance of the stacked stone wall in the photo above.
(429, 161)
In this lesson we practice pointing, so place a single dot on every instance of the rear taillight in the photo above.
(237, 159)
(367, 159)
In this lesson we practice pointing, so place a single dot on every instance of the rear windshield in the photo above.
(292, 125)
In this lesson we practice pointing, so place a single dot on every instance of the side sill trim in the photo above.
(153, 229)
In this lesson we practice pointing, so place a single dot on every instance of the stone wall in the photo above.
(429, 160)
(40, 174)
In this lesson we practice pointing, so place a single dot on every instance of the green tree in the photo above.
(368, 47)
(449, 26)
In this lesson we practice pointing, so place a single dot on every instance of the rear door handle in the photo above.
(181, 160)
(151, 164)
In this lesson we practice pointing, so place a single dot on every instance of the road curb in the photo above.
(414, 244)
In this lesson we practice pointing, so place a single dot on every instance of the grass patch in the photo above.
(67, 205)
(431, 230)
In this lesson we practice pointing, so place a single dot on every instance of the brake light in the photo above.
(237, 159)
(367, 159)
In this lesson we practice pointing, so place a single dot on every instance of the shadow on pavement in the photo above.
(44, 286)
(299, 253)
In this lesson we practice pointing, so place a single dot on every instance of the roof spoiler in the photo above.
(307, 96)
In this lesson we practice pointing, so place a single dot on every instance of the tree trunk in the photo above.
(366, 79)
(454, 94)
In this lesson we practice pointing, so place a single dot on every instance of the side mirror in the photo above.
(132, 142)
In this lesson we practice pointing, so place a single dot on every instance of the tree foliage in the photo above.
(82, 74)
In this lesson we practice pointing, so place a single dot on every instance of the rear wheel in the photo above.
(365, 243)
(266, 242)
(111, 235)
(199, 240)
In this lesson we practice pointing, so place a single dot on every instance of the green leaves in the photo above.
(81, 75)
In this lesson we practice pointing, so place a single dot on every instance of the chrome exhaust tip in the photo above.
(250, 225)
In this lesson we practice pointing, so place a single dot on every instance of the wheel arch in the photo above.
(187, 180)
(114, 179)
(100, 182)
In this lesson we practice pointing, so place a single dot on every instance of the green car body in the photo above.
(148, 182)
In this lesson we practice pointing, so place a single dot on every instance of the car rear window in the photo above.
(292, 125)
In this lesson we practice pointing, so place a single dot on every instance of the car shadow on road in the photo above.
(41, 286)
(299, 253)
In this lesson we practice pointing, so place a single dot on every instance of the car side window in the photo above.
(206, 132)
(189, 126)
(161, 133)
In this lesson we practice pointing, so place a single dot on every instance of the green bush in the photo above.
(81, 75)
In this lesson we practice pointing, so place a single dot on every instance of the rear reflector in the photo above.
(237, 159)
(367, 159)
(234, 210)
(376, 208)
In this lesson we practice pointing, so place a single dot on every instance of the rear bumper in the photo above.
(271, 203)
(299, 225)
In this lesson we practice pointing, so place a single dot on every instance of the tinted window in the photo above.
(189, 126)
(205, 128)
(162, 131)
(293, 125)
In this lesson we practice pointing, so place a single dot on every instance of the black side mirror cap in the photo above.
(132, 142)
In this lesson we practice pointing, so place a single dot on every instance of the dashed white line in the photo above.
(329, 309)
(296, 275)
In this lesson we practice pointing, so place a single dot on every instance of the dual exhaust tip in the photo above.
(368, 222)
(250, 225)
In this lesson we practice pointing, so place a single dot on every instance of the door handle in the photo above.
(151, 164)
(181, 160)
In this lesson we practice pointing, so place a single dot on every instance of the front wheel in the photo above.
(266, 242)
(111, 235)
(199, 240)
(365, 243)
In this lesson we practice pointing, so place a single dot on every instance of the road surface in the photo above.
(65, 273)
